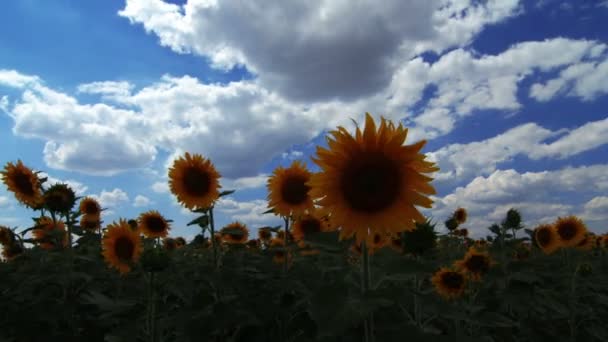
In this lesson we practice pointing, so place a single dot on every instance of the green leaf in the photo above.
(268, 211)
(226, 192)
(201, 221)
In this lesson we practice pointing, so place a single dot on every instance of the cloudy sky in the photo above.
(512, 97)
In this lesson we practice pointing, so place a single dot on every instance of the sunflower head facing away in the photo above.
(121, 246)
(546, 238)
(460, 215)
(152, 224)
(288, 192)
(307, 224)
(475, 263)
(59, 198)
(450, 284)
(90, 207)
(48, 233)
(235, 233)
(194, 180)
(570, 230)
(370, 182)
(24, 183)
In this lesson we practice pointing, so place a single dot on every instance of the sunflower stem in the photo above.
(365, 285)
(213, 244)
(151, 308)
(286, 219)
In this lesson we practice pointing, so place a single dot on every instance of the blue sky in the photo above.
(510, 95)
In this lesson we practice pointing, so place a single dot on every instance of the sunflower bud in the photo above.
(59, 198)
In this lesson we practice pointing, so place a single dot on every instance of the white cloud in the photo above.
(78, 188)
(584, 80)
(596, 209)
(4, 202)
(4, 103)
(292, 155)
(111, 199)
(242, 183)
(160, 187)
(248, 212)
(141, 201)
(15, 79)
(118, 90)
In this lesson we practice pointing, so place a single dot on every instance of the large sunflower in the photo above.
(45, 230)
(371, 181)
(475, 263)
(235, 233)
(90, 207)
(570, 230)
(307, 224)
(288, 193)
(121, 246)
(24, 183)
(449, 283)
(152, 224)
(194, 180)
(59, 198)
(546, 238)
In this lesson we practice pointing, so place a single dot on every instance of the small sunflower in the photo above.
(235, 233)
(570, 230)
(169, 244)
(45, 230)
(90, 207)
(253, 244)
(180, 241)
(6, 236)
(449, 283)
(309, 223)
(153, 224)
(59, 198)
(603, 241)
(195, 182)
(121, 246)
(460, 215)
(588, 242)
(90, 223)
(475, 263)
(11, 251)
(370, 182)
(281, 235)
(288, 192)
(24, 183)
(264, 234)
(546, 238)
(279, 254)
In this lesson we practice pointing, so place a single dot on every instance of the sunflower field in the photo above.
(354, 261)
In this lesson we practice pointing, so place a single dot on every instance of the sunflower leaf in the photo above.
(268, 211)
(201, 221)
(226, 192)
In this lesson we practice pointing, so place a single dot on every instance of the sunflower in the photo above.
(449, 283)
(288, 192)
(24, 183)
(169, 244)
(570, 230)
(604, 241)
(180, 241)
(11, 251)
(475, 263)
(121, 246)
(546, 238)
(264, 234)
(235, 233)
(153, 224)
(309, 223)
(44, 232)
(588, 242)
(6, 236)
(90, 223)
(59, 198)
(253, 244)
(281, 235)
(396, 244)
(462, 232)
(279, 254)
(90, 207)
(371, 181)
(306, 249)
(194, 180)
(460, 215)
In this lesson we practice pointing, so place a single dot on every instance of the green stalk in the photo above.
(286, 219)
(151, 314)
(213, 244)
(365, 285)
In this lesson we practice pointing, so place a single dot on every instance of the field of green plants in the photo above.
(354, 261)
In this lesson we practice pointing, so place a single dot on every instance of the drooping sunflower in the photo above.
(570, 230)
(90, 207)
(371, 181)
(121, 246)
(235, 233)
(288, 192)
(546, 238)
(194, 180)
(45, 230)
(460, 215)
(24, 183)
(475, 263)
(90, 223)
(307, 224)
(59, 198)
(450, 284)
(152, 224)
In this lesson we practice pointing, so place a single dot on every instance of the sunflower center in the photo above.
(124, 248)
(156, 224)
(264, 234)
(295, 190)
(24, 184)
(452, 280)
(90, 208)
(477, 263)
(196, 182)
(279, 254)
(377, 239)
(89, 224)
(311, 226)
(371, 183)
(567, 231)
(543, 236)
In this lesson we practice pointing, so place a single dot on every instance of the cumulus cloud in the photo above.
(141, 201)
(78, 188)
(111, 200)
(596, 210)
(160, 187)
(316, 50)
(4, 202)
(110, 90)
(12, 78)
(249, 212)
